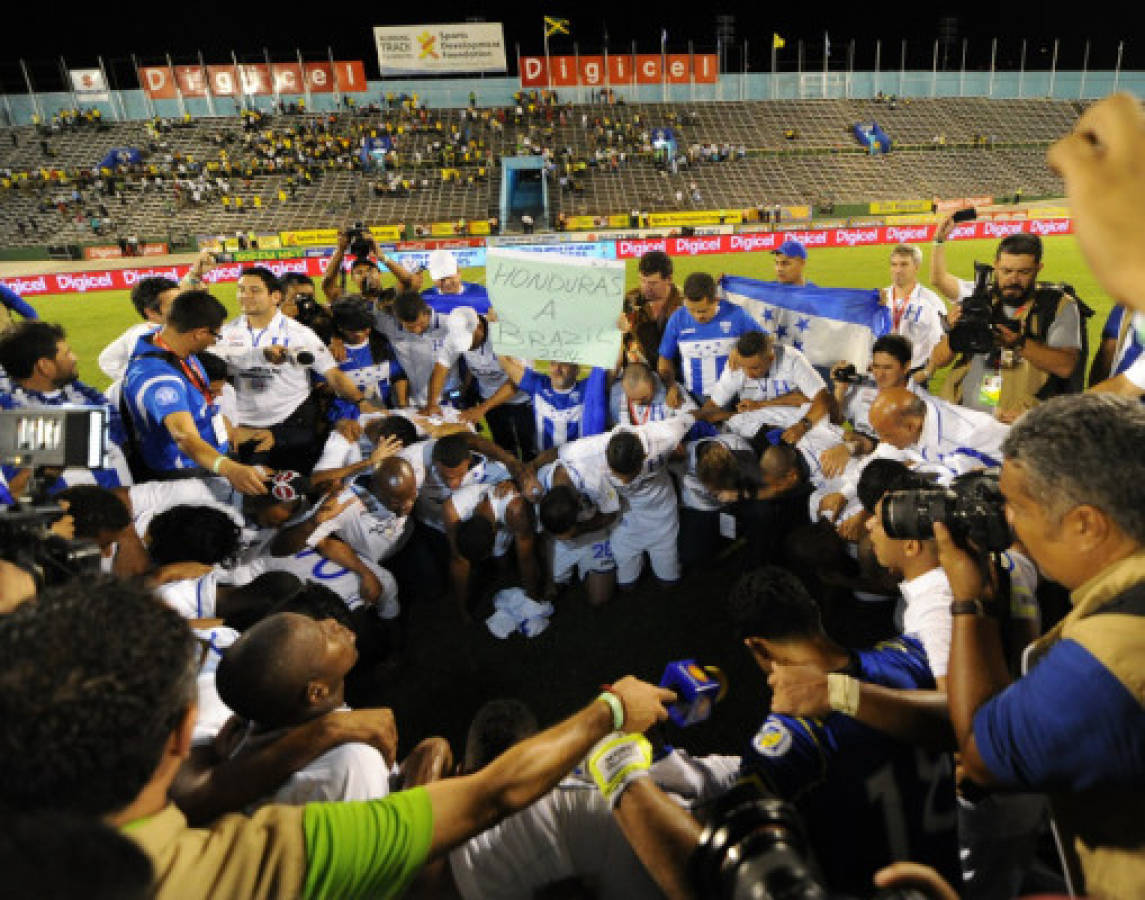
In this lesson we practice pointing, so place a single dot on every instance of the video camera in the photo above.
(848, 374)
(48, 438)
(973, 508)
(754, 847)
(359, 241)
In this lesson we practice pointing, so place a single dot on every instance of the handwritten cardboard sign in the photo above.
(553, 307)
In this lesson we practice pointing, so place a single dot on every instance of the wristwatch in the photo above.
(968, 608)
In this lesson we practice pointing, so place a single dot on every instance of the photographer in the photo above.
(365, 276)
(1074, 724)
(1038, 333)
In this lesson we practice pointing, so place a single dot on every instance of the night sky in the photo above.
(183, 29)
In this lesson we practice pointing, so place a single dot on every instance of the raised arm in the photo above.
(946, 283)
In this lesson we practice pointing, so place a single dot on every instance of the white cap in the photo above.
(463, 321)
(442, 265)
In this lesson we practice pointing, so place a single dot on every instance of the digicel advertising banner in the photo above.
(751, 242)
(165, 83)
(619, 68)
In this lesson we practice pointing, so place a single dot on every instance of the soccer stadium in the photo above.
(366, 412)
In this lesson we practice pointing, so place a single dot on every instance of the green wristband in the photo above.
(614, 703)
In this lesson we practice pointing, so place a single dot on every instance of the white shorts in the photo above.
(632, 538)
(587, 554)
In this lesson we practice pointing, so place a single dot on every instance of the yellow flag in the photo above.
(555, 26)
(777, 43)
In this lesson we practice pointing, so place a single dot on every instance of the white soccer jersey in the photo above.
(434, 491)
(917, 317)
(790, 371)
(416, 352)
(693, 494)
(269, 393)
(482, 362)
(466, 499)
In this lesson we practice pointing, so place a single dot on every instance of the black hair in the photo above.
(61, 856)
(266, 276)
(655, 262)
(773, 604)
(214, 366)
(1021, 245)
(94, 509)
(24, 345)
(195, 309)
(145, 294)
(95, 676)
(496, 727)
(895, 345)
(559, 509)
(199, 534)
(352, 313)
(289, 279)
(475, 538)
(255, 676)
(625, 453)
(393, 426)
(451, 450)
(753, 343)
(880, 476)
(409, 307)
(699, 286)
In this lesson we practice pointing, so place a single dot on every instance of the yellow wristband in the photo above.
(616, 706)
(843, 693)
(217, 464)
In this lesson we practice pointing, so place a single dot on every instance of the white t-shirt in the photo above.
(434, 491)
(269, 393)
(926, 615)
(790, 371)
(481, 362)
(114, 357)
(466, 499)
(212, 713)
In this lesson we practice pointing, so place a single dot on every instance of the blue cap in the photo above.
(793, 249)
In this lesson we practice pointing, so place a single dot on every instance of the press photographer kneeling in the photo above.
(1074, 724)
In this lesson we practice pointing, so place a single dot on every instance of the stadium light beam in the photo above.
(1053, 68)
(1084, 70)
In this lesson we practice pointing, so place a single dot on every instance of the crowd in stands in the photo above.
(381, 439)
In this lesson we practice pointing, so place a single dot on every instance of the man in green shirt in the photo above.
(98, 710)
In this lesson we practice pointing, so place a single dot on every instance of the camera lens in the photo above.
(909, 515)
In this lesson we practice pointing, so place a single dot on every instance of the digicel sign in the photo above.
(163, 83)
(622, 68)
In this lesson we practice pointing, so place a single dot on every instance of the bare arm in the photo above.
(340, 553)
(513, 368)
(343, 386)
(1059, 361)
(406, 280)
(468, 805)
(436, 386)
(661, 833)
(1102, 362)
(1119, 385)
(524, 538)
(946, 283)
(330, 278)
(181, 427)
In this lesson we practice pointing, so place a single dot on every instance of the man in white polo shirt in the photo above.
(916, 312)
(271, 357)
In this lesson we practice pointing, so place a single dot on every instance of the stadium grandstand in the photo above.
(72, 180)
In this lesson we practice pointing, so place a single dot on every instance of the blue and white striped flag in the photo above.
(827, 324)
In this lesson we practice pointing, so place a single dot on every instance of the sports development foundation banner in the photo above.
(434, 49)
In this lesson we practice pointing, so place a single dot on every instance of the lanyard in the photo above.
(632, 413)
(897, 309)
(192, 374)
(255, 339)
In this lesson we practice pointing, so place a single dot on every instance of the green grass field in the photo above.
(94, 319)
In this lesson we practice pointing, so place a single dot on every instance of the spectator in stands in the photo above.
(1040, 343)
(152, 298)
(917, 312)
(790, 260)
(648, 307)
(141, 682)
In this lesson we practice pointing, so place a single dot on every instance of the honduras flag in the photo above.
(826, 324)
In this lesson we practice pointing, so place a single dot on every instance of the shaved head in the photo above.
(897, 416)
(395, 484)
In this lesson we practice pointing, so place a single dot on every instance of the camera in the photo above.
(302, 357)
(974, 332)
(359, 241)
(754, 847)
(220, 257)
(847, 374)
(27, 541)
(973, 508)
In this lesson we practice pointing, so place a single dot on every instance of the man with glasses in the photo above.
(174, 426)
(1039, 349)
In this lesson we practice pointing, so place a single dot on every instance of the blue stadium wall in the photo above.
(1063, 85)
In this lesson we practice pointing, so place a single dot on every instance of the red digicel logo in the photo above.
(1002, 229)
(851, 237)
(1051, 226)
(632, 249)
(809, 238)
(84, 281)
(695, 246)
(750, 243)
(905, 234)
(26, 287)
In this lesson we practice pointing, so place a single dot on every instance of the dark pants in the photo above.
(700, 540)
(298, 441)
(513, 429)
(421, 566)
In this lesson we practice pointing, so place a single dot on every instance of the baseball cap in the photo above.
(793, 249)
(463, 322)
(442, 264)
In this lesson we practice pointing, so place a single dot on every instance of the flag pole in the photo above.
(178, 88)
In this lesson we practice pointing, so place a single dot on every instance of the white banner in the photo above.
(458, 47)
(88, 84)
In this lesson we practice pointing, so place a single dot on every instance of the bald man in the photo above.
(282, 673)
(640, 396)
